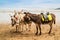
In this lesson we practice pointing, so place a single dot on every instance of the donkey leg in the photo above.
(36, 30)
(40, 29)
(50, 28)
(54, 22)
(16, 28)
(29, 27)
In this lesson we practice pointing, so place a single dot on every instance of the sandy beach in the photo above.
(7, 32)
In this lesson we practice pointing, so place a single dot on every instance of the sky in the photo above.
(15, 4)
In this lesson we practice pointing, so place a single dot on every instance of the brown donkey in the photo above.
(37, 20)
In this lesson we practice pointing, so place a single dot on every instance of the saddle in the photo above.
(46, 18)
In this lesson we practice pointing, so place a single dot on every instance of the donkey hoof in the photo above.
(49, 32)
(36, 34)
(16, 31)
(39, 33)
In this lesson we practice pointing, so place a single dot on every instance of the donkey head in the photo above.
(13, 22)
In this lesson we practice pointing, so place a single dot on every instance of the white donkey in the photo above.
(18, 20)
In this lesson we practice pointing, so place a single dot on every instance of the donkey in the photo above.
(15, 19)
(19, 22)
(37, 20)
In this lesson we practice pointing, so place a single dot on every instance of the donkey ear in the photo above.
(25, 13)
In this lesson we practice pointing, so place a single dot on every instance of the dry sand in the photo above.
(7, 33)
